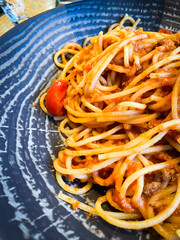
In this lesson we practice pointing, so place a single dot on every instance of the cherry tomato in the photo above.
(55, 98)
(165, 31)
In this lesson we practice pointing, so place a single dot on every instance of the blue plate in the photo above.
(29, 140)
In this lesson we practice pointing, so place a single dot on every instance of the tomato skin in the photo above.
(55, 98)
(165, 31)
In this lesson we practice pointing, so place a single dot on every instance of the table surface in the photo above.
(6, 24)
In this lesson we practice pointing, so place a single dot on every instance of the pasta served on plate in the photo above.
(118, 99)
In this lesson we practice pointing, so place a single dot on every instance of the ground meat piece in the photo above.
(151, 188)
(166, 45)
(168, 173)
(176, 39)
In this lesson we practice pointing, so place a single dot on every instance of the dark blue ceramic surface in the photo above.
(29, 140)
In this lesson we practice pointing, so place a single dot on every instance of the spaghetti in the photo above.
(123, 126)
